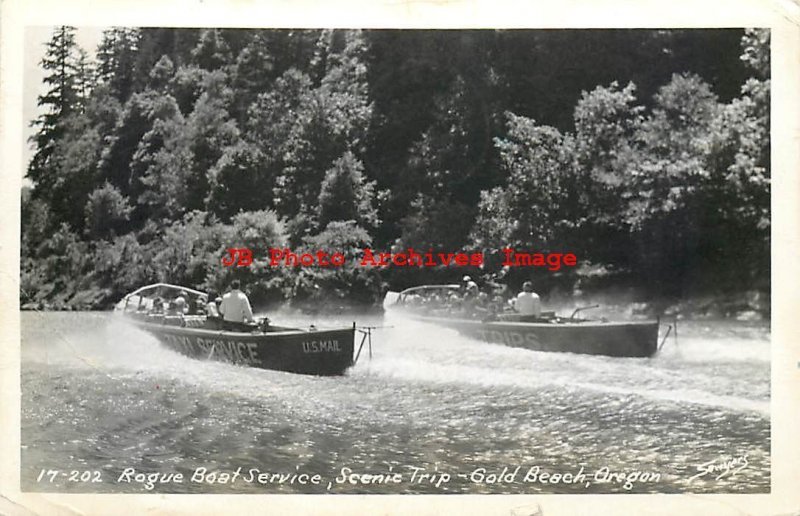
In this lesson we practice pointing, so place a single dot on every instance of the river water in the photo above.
(105, 408)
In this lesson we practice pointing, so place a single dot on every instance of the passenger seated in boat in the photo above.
(211, 307)
(191, 303)
(527, 302)
(498, 304)
(481, 306)
(467, 304)
(235, 307)
(181, 304)
(177, 306)
(468, 287)
(158, 306)
(200, 307)
(454, 303)
(415, 300)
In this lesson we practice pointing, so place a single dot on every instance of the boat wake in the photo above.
(699, 371)
(693, 372)
(99, 341)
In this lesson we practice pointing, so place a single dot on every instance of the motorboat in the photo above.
(442, 305)
(192, 332)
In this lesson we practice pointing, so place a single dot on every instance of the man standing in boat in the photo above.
(235, 307)
(527, 302)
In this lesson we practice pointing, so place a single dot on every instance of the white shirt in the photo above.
(211, 309)
(527, 303)
(235, 307)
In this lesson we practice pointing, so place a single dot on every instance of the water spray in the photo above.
(366, 331)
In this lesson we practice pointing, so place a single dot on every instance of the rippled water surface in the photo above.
(431, 412)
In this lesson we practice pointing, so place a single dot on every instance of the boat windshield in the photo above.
(157, 297)
(427, 294)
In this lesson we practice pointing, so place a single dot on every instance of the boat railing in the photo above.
(401, 297)
(143, 294)
(582, 308)
(165, 286)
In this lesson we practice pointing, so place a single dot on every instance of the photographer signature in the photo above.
(721, 469)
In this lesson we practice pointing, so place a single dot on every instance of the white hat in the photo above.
(466, 278)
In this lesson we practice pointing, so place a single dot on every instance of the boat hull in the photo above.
(616, 339)
(323, 352)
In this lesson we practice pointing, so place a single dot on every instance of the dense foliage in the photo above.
(645, 153)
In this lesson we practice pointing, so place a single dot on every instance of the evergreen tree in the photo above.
(211, 132)
(117, 55)
(212, 51)
(156, 42)
(107, 213)
(291, 49)
(320, 125)
(146, 158)
(75, 161)
(187, 86)
(35, 221)
(347, 284)
(61, 100)
(237, 182)
(84, 78)
(253, 73)
(161, 166)
(346, 195)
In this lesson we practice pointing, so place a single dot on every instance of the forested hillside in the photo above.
(645, 153)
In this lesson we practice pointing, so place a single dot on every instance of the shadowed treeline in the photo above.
(643, 152)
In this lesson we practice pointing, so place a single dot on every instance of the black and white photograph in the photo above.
(383, 261)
